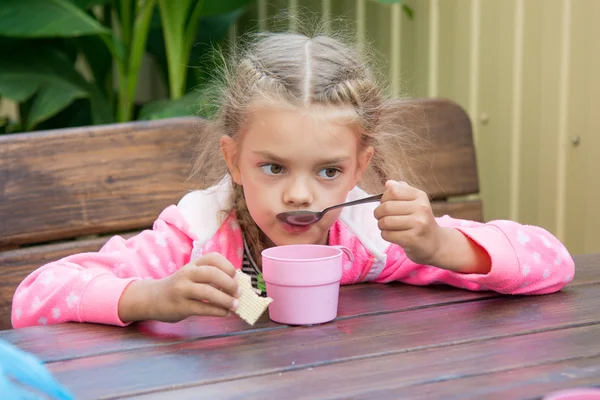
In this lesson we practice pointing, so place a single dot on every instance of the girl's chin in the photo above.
(285, 234)
(299, 239)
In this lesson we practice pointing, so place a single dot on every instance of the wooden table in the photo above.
(390, 341)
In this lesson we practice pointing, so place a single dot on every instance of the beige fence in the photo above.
(527, 72)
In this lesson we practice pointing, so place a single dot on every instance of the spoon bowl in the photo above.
(306, 217)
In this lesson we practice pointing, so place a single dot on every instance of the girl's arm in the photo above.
(510, 258)
(87, 287)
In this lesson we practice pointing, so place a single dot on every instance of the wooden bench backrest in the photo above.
(72, 182)
(100, 180)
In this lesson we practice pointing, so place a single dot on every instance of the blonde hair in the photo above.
(300, 70)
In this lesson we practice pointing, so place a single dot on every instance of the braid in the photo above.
(252, 233)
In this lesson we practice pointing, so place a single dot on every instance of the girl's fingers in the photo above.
(394, 207)
(399, 191)
(219, 261)
(196, 307)
(405, 239)
(395, 223)
(210, 275)
(204, 292)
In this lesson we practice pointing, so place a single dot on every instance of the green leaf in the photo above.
(213, 30)
(50, 99)
(78, 113)
(183, 106)
(46, 18)
(17, 90)
(260, 283)
(50, 70)
(99, 59)
(212, 7)
(85, 4)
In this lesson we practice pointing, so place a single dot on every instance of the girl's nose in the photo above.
(298, 194)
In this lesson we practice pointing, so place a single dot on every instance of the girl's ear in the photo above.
(364, 158)
(229, 151)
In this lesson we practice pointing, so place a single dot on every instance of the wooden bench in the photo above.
(66, 191)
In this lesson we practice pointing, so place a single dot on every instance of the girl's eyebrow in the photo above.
(328, 161)
(334, 160)
(269, 156)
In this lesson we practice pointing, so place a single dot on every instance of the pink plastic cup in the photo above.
(304, 282)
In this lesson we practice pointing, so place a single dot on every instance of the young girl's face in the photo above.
(289, 159)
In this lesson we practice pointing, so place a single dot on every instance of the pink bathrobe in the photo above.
(87, 287)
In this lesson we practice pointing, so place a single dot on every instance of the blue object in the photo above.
(24, 377)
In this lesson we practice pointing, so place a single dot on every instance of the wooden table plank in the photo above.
(67, 341)
(525, 383)
(450, 368)
(234, 357)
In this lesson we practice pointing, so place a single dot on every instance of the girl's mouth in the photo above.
(295, 228)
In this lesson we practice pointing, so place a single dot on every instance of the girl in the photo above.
(301, 123)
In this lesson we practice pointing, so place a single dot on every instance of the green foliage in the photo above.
(58, 56)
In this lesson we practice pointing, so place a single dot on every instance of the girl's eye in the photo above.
(329, 173)
(272, 169)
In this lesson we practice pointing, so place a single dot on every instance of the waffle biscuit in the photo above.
(251, 305)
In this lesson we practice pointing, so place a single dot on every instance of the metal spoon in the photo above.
(304, 217)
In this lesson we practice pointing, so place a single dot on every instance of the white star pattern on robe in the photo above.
(522, 238)
(72, 300)
(36, 303)
(223, 242)
(120, 269)
(43, 321)
(47, 278)
(557, 260)
(55, 313)
(171, 267)
(154, 261)
(160, 239)
(546, 273)
(546, 241)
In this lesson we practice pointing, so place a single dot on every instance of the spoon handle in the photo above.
(370, 199)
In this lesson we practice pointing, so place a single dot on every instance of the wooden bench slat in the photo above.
(473, 367)
(444, 157)
(100, 179)
(207, 360)
(470, 209)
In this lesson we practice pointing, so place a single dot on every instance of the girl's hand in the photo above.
(205, 286)
(406, 219)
